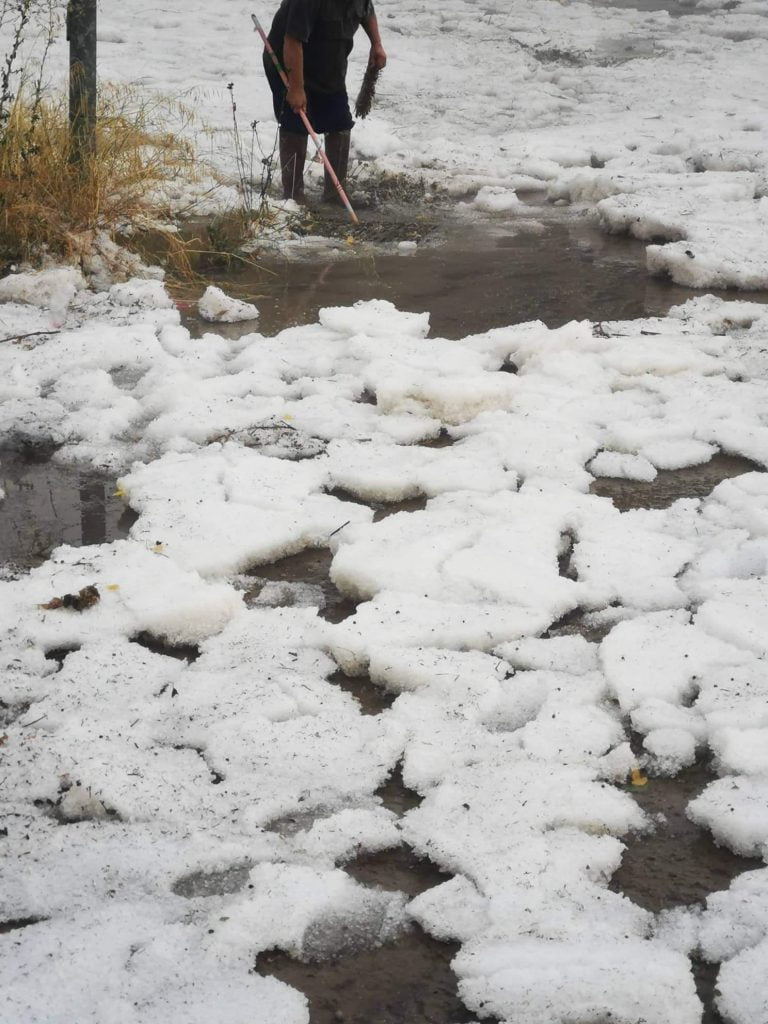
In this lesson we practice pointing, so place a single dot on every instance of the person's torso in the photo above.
(338, 19)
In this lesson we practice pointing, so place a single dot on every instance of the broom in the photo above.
(367, 92)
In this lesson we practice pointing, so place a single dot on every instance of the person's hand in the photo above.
(378, 58)
(296, 99)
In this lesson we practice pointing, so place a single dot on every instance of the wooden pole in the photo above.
(81, 33)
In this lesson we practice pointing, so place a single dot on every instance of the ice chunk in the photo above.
(376, 319)
(218, 307)
(49, 289)
(735, 810)
(533, 980)
(670, 750)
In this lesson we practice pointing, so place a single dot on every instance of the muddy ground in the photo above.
(472, 275)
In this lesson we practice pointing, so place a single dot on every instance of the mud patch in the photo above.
(671, 485)
(679, 864)
(46, 505)
(408, 981)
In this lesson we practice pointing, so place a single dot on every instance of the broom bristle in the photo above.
(367, 92)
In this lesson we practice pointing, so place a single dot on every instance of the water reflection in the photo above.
(46, 505)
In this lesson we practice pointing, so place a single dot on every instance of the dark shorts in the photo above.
(327, 111)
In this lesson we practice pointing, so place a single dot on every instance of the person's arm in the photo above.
(293, 59)
(378, 58)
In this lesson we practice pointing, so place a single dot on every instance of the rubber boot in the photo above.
(293, 153)
(337, 151)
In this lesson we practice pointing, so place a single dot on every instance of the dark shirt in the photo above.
(326, 28)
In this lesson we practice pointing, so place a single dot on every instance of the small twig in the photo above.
(339, 529)
(32, 334)
(26, 725)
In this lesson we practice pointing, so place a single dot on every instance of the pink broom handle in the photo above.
(307, 125)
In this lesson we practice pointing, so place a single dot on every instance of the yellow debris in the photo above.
(113, 587)
(637, 778)
(119, 493)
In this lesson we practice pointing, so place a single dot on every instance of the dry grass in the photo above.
(52, 204)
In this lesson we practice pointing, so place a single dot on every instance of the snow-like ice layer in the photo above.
(141, 590)
(255, 509)
(150, 967)
(250, 767)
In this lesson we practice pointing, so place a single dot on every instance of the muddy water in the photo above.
(669, 486)
(553, 266)
(408, 982)
(311, 567)
(46, 505)
(678, 864)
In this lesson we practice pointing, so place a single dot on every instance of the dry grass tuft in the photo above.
(52, 204)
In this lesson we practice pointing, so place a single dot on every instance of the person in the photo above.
(313, 40)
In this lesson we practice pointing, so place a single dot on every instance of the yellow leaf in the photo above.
(350, 239)
(637, 778)
(113, 587)
(287, 418)
(119, 493)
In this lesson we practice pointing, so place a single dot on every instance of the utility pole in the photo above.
(81, 33)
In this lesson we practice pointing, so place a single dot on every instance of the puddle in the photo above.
(15, 926)
(311, 567)
(576, 623)
(670, 485)
(481, 274)
(181, 652)
(705, 976)
(213, 883)
(679, 864)
(395, 795)
(408, 981)
(373, 700)
(398, 870)
(46, 505)
(673, 7)
(383, 509)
